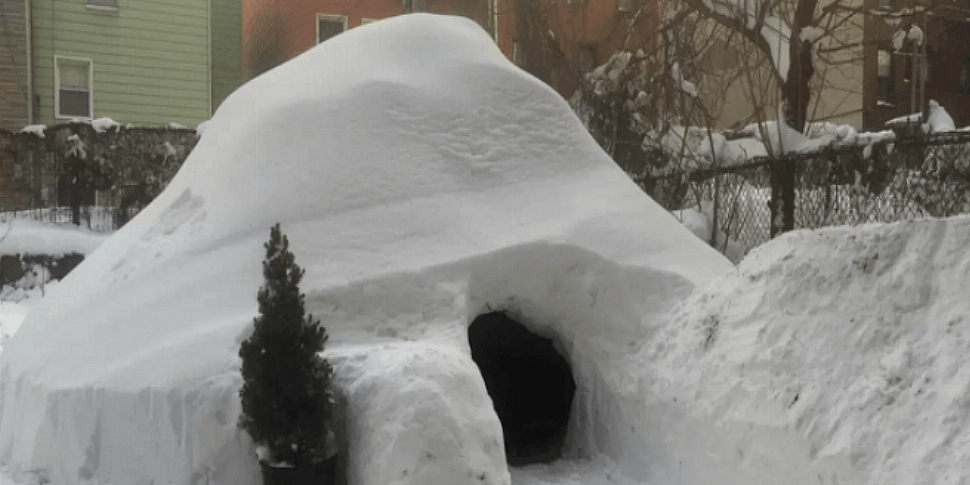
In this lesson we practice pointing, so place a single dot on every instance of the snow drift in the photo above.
(831, 356)
(423, 180)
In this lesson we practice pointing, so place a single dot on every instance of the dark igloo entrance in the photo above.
(530, 383)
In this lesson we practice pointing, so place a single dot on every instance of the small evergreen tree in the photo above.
(286, 394)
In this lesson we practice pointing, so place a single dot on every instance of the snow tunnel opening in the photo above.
(531, 385)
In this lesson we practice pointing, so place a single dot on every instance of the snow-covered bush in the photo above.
(286, 395)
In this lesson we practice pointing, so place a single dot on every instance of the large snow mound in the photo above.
(423, 180)
(832, 356)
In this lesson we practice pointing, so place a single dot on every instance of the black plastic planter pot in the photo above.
(322, 473)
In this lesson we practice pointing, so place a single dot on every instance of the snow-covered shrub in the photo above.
(286, 395)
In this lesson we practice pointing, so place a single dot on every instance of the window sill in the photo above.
(101, 8)
(73, 119)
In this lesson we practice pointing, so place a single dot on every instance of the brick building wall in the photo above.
(13, 65)
(277, 30)
(583, 34)
(947, 35)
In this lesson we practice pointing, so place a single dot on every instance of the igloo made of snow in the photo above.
(423, 181)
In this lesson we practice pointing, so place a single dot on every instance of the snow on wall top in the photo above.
(383, 150)
(25, 236)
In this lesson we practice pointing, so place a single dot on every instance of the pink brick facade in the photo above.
(277, 30)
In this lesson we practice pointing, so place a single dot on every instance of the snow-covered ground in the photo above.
(5, 479)
(596, 471)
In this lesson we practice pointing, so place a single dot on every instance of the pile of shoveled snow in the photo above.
(423, 180)
(831, 356)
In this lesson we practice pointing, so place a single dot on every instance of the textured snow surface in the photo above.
(25, 236)
(597, 471)
(6, 480)
(833, 356)
(423, 180)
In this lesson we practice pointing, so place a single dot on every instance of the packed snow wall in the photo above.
(597, 312)
(440, 183)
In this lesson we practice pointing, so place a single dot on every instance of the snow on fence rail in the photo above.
(889, 181)
(93, 173)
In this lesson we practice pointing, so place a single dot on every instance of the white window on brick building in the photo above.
(516, 53)
(415, 5)
(886, 77)
(74, 91)
(329, 26)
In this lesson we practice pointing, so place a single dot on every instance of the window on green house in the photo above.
(74, 96)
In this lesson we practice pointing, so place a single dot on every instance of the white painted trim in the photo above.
(57, 87)
(363, 21)
(327, 16)
(495, 23)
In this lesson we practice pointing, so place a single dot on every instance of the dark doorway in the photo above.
(530, 383)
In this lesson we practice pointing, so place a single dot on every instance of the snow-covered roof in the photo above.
(421, 177)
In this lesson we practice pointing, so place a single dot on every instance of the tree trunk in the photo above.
(795, 98)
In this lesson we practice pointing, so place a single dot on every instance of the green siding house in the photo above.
(144, 62)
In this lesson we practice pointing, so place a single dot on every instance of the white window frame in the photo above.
(365, 21)
(328, 16)
(57, 87)
(516, 53)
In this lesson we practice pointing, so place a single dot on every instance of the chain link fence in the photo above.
(904, 179)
